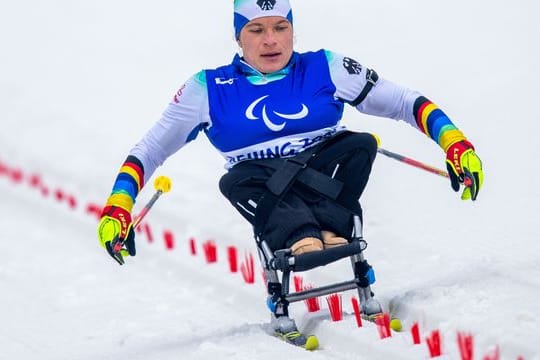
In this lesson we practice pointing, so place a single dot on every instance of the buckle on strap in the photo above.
(371, 79)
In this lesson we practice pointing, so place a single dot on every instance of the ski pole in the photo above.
(162, 185)
(412, 162)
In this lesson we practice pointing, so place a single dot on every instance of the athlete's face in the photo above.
(267, 43)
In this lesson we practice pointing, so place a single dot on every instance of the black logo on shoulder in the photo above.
(266, 4)
(352, 66)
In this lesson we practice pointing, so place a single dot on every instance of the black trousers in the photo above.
(303, 211)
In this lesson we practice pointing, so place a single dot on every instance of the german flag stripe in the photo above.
(433, 122)
(419, 107)
(137, 166)
(130, 180)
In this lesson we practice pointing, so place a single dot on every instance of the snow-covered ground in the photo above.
(80, 82)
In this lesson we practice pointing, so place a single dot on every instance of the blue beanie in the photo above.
(247, 10)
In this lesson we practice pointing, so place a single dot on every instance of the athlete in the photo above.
(294, 172)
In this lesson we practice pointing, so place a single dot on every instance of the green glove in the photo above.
(115, 230)
(464, 167)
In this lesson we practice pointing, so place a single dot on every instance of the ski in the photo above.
(393, 323)
(309, 342)
(285, 329)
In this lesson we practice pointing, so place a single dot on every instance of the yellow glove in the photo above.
(464, 167)
(115, 231)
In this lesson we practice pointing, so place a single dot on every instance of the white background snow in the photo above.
(80, 83)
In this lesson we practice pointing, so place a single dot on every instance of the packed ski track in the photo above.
(168, 306)
(82, 82)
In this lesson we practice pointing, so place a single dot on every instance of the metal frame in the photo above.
(285, 262)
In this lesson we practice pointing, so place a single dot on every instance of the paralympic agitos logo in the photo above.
(250, 114)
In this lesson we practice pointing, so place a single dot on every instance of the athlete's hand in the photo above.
(115, 227)
(464, 167)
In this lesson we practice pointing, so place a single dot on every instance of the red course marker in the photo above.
(434, 343)
(210, 251)
(357, 312)
(232, 257)
(415, 332)
(192, 246)
(334, 305)
(466, 345)
(248, 269)
(169, 239)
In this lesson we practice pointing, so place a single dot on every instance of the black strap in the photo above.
(372, 78)
(286, 172)
(322, 183)
(289, 170)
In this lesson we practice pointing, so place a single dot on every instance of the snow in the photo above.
(83, 81)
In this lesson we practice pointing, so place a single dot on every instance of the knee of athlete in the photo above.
(224, 187)
(372, 144)
(377, 139)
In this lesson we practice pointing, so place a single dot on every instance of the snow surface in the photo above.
(82, 81)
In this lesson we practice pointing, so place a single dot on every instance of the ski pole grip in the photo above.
(163, 184)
